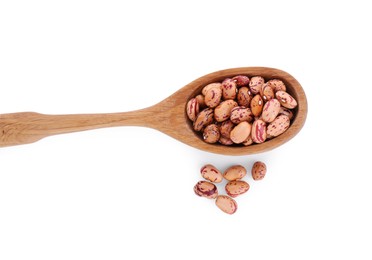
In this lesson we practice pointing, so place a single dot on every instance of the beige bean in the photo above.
(285, 99)
(240, 114)
(286, 111)
(236, 188)
(225, 140)
(223, 111)
(241, 80)
(244, 96)
(213, 97)
(204, 118)
(192, 109)
(278, 126)
(211, 173)
(255, 84)
(257, 105)
(240, 132)
(226, 127)
(206, 189)
(226, 204)
(270, 110)
(201, 102)
(234, 173)
(211, 134)
(258, 132)
(258, 171)
(229, 89)
(248, 141)
(277, 85)
(210, 86)
(267, 92)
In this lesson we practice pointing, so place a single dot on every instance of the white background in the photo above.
(127, 193)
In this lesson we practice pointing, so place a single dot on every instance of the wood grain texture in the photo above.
(168, 116)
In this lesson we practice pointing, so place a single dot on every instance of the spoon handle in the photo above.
(29, 127)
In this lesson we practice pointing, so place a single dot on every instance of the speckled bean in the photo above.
(204, 118)
(226, 127)
(226, 204)
(244, 96)
(241, 80)
(225, 140)
(240, 132)
(211, 134)
(270, 110)
(285, 99)
(236, 188)
(248, 141)
(201, 102)
(192, 109)
(206, 189)
(234, 173)
(258, 132)
(276, 85)
(213, 97)
(257, 105)
(255, 84)
(258, 171)
(240, 114)
(278, 126)
(223, 110)
(210, 86)
(229, 89)
(267, 92)
(211, 173)
(286, 111)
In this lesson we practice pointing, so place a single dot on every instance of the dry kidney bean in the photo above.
(206, 189)
(241, 110)
(258, 171)
(226, 204)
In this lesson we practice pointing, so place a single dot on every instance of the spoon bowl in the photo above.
(168, 116)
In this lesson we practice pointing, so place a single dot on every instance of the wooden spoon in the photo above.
(168, 116)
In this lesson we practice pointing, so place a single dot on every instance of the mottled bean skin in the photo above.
(257, 105)
(248, 141)
(229, 89)
(270, 110)
(211, 173)
(206, 189)
(204, 118)
(213, 97)
(240, 114)
(278, 126)
(241, 80)
(258, 171)
(226, 127)
(226, 204)
(287, 112)
(258, 131)
(201, 102)
(225, 141)
(240, 132)
(234, 173)
(256, 84)
(244, 96)
(211, 134)
(236, 188)
(223, 111)
(267, 92)
(277, 85)
(192, 109)
(285, 99)
(210, 86)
